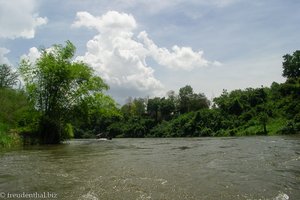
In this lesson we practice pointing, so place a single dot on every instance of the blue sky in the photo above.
(146, 48)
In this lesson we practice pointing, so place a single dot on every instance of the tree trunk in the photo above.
(265, 129)
(50, 131)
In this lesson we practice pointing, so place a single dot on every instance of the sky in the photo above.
(146, 48)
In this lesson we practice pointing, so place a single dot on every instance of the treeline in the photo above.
(14, 107)
(259, 111)
(60, 99)
(253, 111)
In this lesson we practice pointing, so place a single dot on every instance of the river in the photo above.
(167, 169)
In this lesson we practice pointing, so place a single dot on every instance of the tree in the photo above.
(8, 78)
(55, 84)
(263, 119)
(291, 65)
(235, 108)
(94, 114)
(14, 106)
(153, 107)
(198, 101)
(139, 108)
(134, 107)
(167, 108)
(190, 101)
(222, 102)
(185, 94)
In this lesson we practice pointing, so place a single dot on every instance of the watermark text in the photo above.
(28, 195)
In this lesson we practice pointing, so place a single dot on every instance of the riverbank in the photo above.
(9, 138)
(273, 110)
(12, 140)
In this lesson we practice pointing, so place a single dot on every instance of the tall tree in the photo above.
(291, 65)
(139, 106)
(198, 101)
(153, 107)
(185, 94)
(8, 78)
(94, 114)
(167, 108)
(55, 83)
(190, 101)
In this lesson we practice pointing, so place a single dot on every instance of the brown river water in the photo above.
(168, 169)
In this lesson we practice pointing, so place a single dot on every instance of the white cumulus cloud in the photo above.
(32, 55)
(178, 58)
(3, 58)
(111, 22)
(116, 56)
(119, 55)
(18, 18)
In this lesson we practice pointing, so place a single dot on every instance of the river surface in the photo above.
(170, 169)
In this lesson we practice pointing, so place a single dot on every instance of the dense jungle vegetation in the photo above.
(56, 98)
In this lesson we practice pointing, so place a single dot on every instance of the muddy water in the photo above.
(185, 168)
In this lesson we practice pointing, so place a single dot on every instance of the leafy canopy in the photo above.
(291, 65)
(56, 83)
(8, 78)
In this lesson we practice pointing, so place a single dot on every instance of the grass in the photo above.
(8, 138)
(273, 128)
(275, 125)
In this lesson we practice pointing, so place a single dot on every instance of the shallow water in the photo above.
(183, 168)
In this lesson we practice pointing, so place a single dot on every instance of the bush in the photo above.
(289, 128)
(8, 138)
(162, 130)
(205, 132)
(68, 132)
(297, 127)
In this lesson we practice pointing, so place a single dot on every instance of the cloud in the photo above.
(157, 6)
(223, 3)
(179, 58)
(32, 55)
(19, 19)
(119, 55)
(116, 56)
(111, 22)
(3, 58)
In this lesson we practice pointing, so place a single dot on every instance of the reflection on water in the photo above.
(185, 168)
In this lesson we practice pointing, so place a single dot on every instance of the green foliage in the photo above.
(275, 125)
(263, 119)
(8, 138)
(163, 129)
(190, 101)
(64, 99)
(205, 122)
(185, 95)
(139, 107)
(5, 140)
(167, 108)
(14, 106)
(93, 115)
(253, 111)
(135, 107)
(8, 78)
(16, 116)
(55, 84)
(153, 107)
(68, 132)
(132, 127)
(291, 65)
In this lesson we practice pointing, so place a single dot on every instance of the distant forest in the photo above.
(62, 99)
